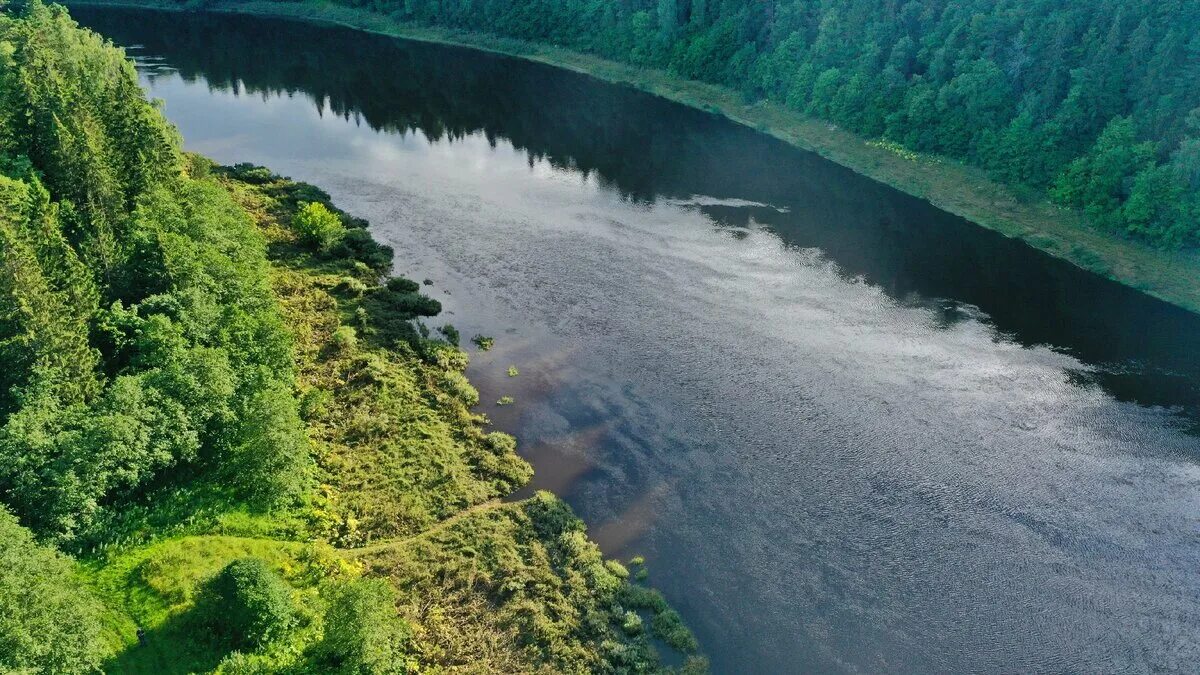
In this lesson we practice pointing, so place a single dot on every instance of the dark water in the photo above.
(849, 432)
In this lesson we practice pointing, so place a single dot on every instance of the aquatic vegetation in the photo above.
(513, 372)
(450, 333)
(483, 342)
(505, 400)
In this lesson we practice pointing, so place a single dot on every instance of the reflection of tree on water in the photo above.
(647, 148)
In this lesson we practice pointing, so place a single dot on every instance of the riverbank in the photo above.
(410, 490)
(1173, 276)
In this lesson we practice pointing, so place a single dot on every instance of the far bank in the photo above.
(951, 186)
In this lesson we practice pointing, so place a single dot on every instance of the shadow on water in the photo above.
(649, 149)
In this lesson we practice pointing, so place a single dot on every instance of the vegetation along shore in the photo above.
(228, 443)
(1084, 143)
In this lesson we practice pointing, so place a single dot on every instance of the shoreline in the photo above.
(1171, 276)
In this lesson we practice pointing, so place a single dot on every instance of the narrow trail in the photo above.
(390, 544)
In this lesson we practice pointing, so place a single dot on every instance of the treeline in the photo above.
(141, 344)
(1096, 103)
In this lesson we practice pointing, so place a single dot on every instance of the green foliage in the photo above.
(141, 342)
(668, 626)
(513, 372)
(1025, 89)
(246, 604)
(483, 342)
(148, 419)
(505, 400)
(318, 226)
(451, 334)
(271, 465)
(632, 623)
(49, 623)
(363, 633)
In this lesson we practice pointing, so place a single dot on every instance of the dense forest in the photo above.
(1096, 104)
(227, 441)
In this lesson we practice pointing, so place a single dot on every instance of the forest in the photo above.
(229, 444)
(1095, 105)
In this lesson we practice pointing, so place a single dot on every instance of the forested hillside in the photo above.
(1095, 103)
(227, 443)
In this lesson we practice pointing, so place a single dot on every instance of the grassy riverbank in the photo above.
(1173, 276)
(229, 444)
(409, 481)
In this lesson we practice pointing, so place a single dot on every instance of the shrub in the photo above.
(402, 285)
(344, 338)
(363, 633)
(668, 626)
(247, 604)
(318, 226)
(483, 342)
(314, 404)
(617, 569)
(457, 385)
(506, 400)
(513, 372)
(48, 622)
(358, 244)
(451, 334)
(632, 623)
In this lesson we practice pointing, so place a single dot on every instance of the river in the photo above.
(848, 431)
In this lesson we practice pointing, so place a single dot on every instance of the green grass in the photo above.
(410, 483)
(154, 587)
(1173, 276)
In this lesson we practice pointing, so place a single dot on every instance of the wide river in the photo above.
(848, 431)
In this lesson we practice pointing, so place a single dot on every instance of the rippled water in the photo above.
(849, 432)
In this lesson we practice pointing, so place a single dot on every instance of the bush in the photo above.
(344, 338)
(49, 623)
(483, 342)
(318, 226)
(457, 385)
(402, 285)
(363, 633)
(451, 334)
(632, 623)
(358, 244)
(247, 604)
(668, 626)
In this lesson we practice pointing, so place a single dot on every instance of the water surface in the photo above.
(849, 432)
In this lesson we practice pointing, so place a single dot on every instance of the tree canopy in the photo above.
(140, 336)
(1097, 103)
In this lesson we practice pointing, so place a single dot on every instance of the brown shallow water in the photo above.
(848, 431)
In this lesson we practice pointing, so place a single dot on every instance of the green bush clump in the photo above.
(246, 604)
(344, 338)
(457, 385)
(49, 623)
(450, 333)
(668, 626)
(318, 227)
(363, 633)
(358, 244)
(483, 342)
(402, 285)
(631, 623)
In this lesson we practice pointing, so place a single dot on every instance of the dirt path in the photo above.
(389, 544)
